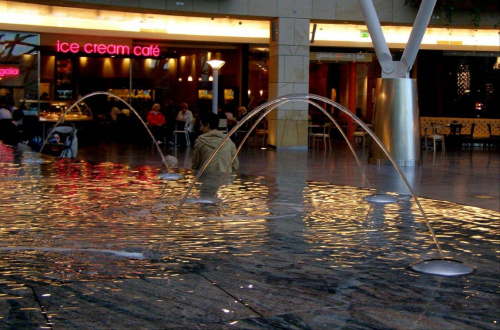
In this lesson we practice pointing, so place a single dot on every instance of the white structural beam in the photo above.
(390, 68)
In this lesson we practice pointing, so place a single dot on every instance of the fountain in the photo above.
(441, 266)
(89, 227)
(164, 176)
(168, 175)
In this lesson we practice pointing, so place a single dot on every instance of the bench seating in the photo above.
(481, 133)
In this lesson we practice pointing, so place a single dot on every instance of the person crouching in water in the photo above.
(207, 143)
(204, 148)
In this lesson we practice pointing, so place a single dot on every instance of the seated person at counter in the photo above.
(242, 112)
(4, 112)
(9, 128)
(114, 113)
(207, 143)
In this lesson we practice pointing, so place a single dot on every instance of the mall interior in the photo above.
(97, 238)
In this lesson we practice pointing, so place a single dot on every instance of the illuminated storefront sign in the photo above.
(341, 57)
(9, 71)
(107, 49)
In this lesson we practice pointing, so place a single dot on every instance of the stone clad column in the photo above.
(289, 74)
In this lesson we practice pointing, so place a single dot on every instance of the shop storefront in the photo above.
(41, 70)
(139, 71)
(19, 67)
(338, 75)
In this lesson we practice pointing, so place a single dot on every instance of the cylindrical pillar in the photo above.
(396, 122)
(216, 65)
(352, 98)
(215, 90)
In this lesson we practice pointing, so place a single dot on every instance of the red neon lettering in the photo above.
(9, 72)
(101, 48)
(109, 49)
(87, 48)
(137, 51)
(122, 50)
(156, 51)
(65, 47)
(74, 47)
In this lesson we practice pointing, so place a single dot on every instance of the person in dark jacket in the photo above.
(9, 128)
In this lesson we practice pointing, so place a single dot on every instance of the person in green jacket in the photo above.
(208, 142)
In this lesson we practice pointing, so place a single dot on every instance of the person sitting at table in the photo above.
(185, 117)
(242, 112)
(114, 113)
(4, 112)
(156, 122)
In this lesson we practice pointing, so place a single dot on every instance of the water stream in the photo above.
(269, 106)
(81, 99)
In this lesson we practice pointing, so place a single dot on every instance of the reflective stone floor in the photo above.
(470, 177)
(292, 245)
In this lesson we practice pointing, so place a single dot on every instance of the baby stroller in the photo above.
(62, 142)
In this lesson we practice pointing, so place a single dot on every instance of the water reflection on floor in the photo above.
(62, 221)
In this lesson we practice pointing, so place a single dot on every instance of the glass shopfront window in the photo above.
(19, 62)
(139, 71)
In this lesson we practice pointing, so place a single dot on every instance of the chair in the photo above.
(359, 136)
(222, 125)
(159, 134)
(241, 132)
(261, 131)
(493, 139)
(469, 138)
(437, 135)
(456, 128)
(323, 136)
(455, 137)
(184, 131)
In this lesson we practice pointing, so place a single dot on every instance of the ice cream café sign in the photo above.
(107, 49)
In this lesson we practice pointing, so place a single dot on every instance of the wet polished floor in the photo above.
(292, 244)
(469, 176)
